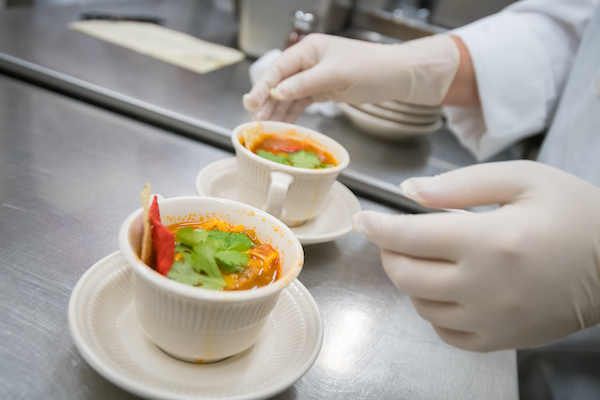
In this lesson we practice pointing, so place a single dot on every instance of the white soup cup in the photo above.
(294, 195)
(200, 325)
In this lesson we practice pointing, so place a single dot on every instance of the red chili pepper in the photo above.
(287, 149)
(164, 241)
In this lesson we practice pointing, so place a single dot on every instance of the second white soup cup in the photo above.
(294, 195)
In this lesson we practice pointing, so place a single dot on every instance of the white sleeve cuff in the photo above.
(515, 84)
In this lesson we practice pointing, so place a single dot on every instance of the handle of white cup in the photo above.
(280, 183)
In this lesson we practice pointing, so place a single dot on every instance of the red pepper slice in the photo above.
(164, 241)
(287, 149)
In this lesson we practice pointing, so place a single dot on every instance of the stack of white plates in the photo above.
(393, 119)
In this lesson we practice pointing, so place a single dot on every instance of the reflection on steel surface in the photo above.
(350, 329)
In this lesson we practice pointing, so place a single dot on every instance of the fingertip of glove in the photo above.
(358, 223)
(409, 189)
(363, 222)
(250, 103)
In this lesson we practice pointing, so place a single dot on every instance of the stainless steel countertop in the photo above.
(69, 175)
(37, 43)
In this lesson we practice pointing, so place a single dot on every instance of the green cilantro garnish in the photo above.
(202, 259)
(232, 261)
(300, 159)
(191, 237)
(180, 247)
(205, 252)
(239, 239)
(305, 159)
(281, 158)
(183, 272)
(228, 240)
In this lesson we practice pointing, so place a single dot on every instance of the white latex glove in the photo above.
(323, 67)
(520, 275)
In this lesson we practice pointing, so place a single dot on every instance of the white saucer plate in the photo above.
(219, 180)
(106, 332)
(410, 108)
(397, 116)
(386, 129)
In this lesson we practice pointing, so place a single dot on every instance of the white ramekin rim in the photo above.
(177, 288)
(342, 164)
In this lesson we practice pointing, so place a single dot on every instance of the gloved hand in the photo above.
(520, 275)
(323, 67)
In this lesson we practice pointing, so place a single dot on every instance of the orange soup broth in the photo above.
(263, 267)
(284, 144)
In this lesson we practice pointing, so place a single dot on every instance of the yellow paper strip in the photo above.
(171, 46)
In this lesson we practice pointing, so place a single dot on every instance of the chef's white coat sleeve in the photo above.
(522, 57)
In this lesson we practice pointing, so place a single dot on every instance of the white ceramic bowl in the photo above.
(386, 129)
(397, 116)
(305, 196)
(200, 325)
(414, 109)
